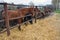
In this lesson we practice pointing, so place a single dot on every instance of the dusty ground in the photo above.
(45, 29)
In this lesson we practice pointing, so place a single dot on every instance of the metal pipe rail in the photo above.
(14, 18)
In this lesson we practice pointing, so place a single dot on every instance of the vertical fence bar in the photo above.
(6, 19)
(35, 14)
(35, 17)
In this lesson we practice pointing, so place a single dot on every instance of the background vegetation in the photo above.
(57, 11)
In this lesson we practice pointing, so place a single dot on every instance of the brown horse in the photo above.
(47, 10)
(20, 13)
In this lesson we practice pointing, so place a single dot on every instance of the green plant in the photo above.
(57, 11)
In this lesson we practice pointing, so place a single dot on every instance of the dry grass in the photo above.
(44, 29)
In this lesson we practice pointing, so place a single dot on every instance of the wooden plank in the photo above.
(7, 19)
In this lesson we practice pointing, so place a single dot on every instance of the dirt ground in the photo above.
(45, 29)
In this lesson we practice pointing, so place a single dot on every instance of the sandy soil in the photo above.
(45, 29)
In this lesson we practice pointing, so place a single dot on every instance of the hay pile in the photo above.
(44, 29)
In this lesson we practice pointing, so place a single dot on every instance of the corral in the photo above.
(30, 21)
(35, 12)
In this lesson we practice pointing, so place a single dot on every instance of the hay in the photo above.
(44, 29)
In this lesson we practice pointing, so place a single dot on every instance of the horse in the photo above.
(47, 10)
(20, 13)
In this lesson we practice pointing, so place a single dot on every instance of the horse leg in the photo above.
(19, 27)
(19, 21)
(30, 18)
(31, 22)
(43, 14)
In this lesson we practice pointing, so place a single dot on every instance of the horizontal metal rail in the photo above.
(13, 4)
(15, 18)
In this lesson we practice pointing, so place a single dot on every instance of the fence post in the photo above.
(35, 15)
(6, 19)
